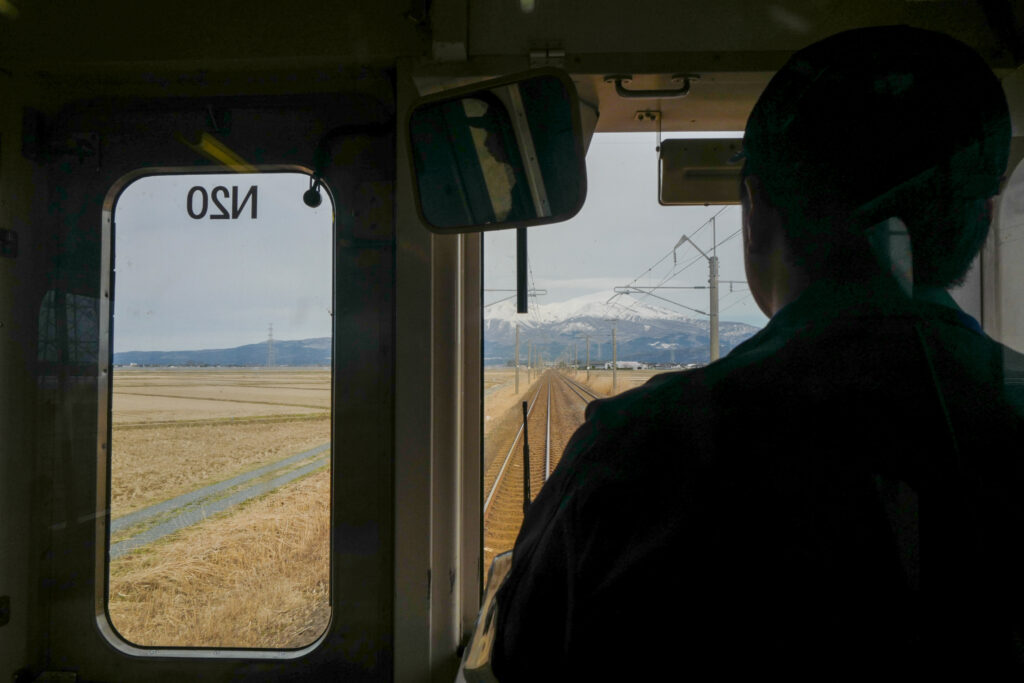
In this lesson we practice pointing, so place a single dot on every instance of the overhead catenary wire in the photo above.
(498, 301)
(672, 251)
(612, 302)
(713, 279)
(690, 263)
(533, 293)
(675, 272)
(694, 260)
(618, 305)
(738, 301)
(729, 237)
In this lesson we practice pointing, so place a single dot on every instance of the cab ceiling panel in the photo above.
(722, 27)
(717, 101)
(71, 34)
(733, 47)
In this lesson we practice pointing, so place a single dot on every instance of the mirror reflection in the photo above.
(504, 156)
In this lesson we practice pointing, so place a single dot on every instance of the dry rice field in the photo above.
(601, 381)
(254, 576)
(257, 577)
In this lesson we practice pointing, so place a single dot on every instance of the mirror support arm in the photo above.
(522, 286)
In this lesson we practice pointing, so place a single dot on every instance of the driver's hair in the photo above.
(875, 123)
(946, 232)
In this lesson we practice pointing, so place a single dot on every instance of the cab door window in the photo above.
(220, 412)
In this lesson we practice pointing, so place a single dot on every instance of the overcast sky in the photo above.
(186, 283)
(622, 232)
(183, 283)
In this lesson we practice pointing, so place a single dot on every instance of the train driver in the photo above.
(843, 494)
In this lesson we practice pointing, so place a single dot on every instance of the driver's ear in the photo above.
(761, 219)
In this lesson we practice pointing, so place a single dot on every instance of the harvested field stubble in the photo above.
(503, 414)
(150, 464)
(497, 376)
(134, 408)
(167, 440)
(257, 577)
(601, 381)
(148, 395)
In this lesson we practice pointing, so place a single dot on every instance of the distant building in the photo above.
(626, 365)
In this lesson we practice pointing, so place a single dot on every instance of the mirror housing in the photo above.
(506, 153)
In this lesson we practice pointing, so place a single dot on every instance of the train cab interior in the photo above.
(159, 157)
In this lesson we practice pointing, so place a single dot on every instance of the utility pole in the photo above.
(615, 363)
(588, 357)
(575, 357)
(270, 346)
(529, 361)
(713, 283)
(712, 286)
(714, 308)
(517, 359)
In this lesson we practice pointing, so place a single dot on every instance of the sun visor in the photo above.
(699, 172)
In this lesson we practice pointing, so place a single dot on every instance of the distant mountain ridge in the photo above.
(644, 332)
(299, 352)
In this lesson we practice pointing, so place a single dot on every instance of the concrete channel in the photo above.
(195, 506)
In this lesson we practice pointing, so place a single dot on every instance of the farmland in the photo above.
(255, 575)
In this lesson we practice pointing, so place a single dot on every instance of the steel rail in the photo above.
(508, 456)
(547, 439)
(577, 388)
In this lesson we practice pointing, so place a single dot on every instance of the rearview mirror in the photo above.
(500, 154)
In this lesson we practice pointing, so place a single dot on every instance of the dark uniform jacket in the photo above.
(841, 496)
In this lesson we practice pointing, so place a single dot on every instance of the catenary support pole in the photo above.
(713, 282)
(615, 364)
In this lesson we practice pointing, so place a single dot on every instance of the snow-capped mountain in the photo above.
(622, 307)
(645, 332)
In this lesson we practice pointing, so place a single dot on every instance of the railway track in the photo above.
(555, 410)
(580, 389)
